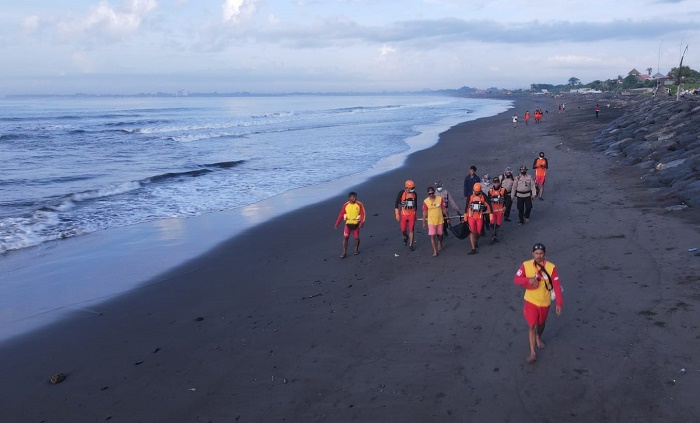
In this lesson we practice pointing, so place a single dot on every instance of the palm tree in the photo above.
(649, 71)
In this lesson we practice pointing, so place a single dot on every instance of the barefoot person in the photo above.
(540, 165)
(541, 281)
(476, 207)
(448, 200)
(353, 212)
(497, 197)
(433, 210)
(405, 210)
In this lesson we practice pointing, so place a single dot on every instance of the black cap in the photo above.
(539, 246)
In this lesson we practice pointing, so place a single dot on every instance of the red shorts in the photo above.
(498, 218)
(408, 221)
(539, 180)
(355, 232)
(475, 224)
(535, 315)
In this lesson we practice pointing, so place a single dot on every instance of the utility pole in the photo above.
(680, 72)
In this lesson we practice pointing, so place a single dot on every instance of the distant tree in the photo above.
(649, 71)
(573, 81)
(630, 82)
(687, 74)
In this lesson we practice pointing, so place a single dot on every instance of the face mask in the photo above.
(412, 190)
(439, 189)
(522, 172)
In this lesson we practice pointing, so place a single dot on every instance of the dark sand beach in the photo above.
(273, 326)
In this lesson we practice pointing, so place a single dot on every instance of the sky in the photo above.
(276, 46)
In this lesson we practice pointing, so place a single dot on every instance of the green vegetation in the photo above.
(690, 80)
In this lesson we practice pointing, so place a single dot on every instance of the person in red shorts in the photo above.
(405, 209)
(540, 165)
(497, 198)
(541, 281)
(353, 212)
(477, 205)
(527, 117)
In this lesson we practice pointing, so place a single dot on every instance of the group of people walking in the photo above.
(488, 204)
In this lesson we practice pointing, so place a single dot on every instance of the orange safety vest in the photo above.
(540, 169)
(476, 206)
(408, 205)
(498, 199)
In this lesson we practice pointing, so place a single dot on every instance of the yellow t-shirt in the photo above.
(352, 213)
(434, 208)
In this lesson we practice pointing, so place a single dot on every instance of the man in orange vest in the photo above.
(541, 281)
(540, 165)
(497, 197)
(405, 210)
(476, 206)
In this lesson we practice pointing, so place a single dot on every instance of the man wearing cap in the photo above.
(469, 182)
(507, 181)
(477, 205)
(353, 212)
(541, 281)
(405, 210)
(449, 201)
(433, 212)
(524, 191)
(540, 165)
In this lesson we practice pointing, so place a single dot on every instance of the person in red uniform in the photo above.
(477, 205)
(540, 165)
(527, 117)
(353, 212)
(541, 281)
(405, 210)
(497, 198)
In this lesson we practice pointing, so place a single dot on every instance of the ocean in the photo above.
(76, 166)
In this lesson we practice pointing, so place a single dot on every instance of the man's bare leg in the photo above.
(440, 237)
(357, 246)
(532, 336)
(540, 329)
(345, 246)
(432, 243)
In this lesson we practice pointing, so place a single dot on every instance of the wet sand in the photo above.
(274, 326)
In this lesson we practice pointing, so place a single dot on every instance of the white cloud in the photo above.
(273, 20)
(574, 60)
(386, 50)
(83, 62)
(30, 24)
(109, 22)
(238, 11)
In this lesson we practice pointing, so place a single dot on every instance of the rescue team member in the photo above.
(540, 165)
(541, 281)
(354, 214)
(497, 197)
(405, 208)
(477, 205)
(469, 182)
(524, 190)
(507, 180)
(527, 117)
(433, 211)
(449, 202)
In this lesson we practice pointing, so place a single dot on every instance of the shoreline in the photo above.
(70, 273)
(272, 325)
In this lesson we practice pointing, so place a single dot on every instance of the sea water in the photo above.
(82, 168)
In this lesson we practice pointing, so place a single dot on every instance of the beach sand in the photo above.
(273, 326)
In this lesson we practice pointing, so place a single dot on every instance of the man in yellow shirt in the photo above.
(433, 210)
(541, 281)
(353, 212)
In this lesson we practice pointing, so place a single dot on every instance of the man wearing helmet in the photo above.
(541, 281)
(405, 210)
(477, 205)
(524, 191)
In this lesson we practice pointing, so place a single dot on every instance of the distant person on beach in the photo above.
(405, 210)
(524, 192)
(353, 212)
(497, 197)
(527, 117)
(433, 211)
(515, 121)
(540, 165)
(541, 281)
(449, 202)
(477, 205)
(507, 181)
(597, 110)
(469, 182)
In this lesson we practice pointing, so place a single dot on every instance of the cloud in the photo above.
(30, 24)
(82, 61)
(107, 22)
(238, 11)
(386, 50)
